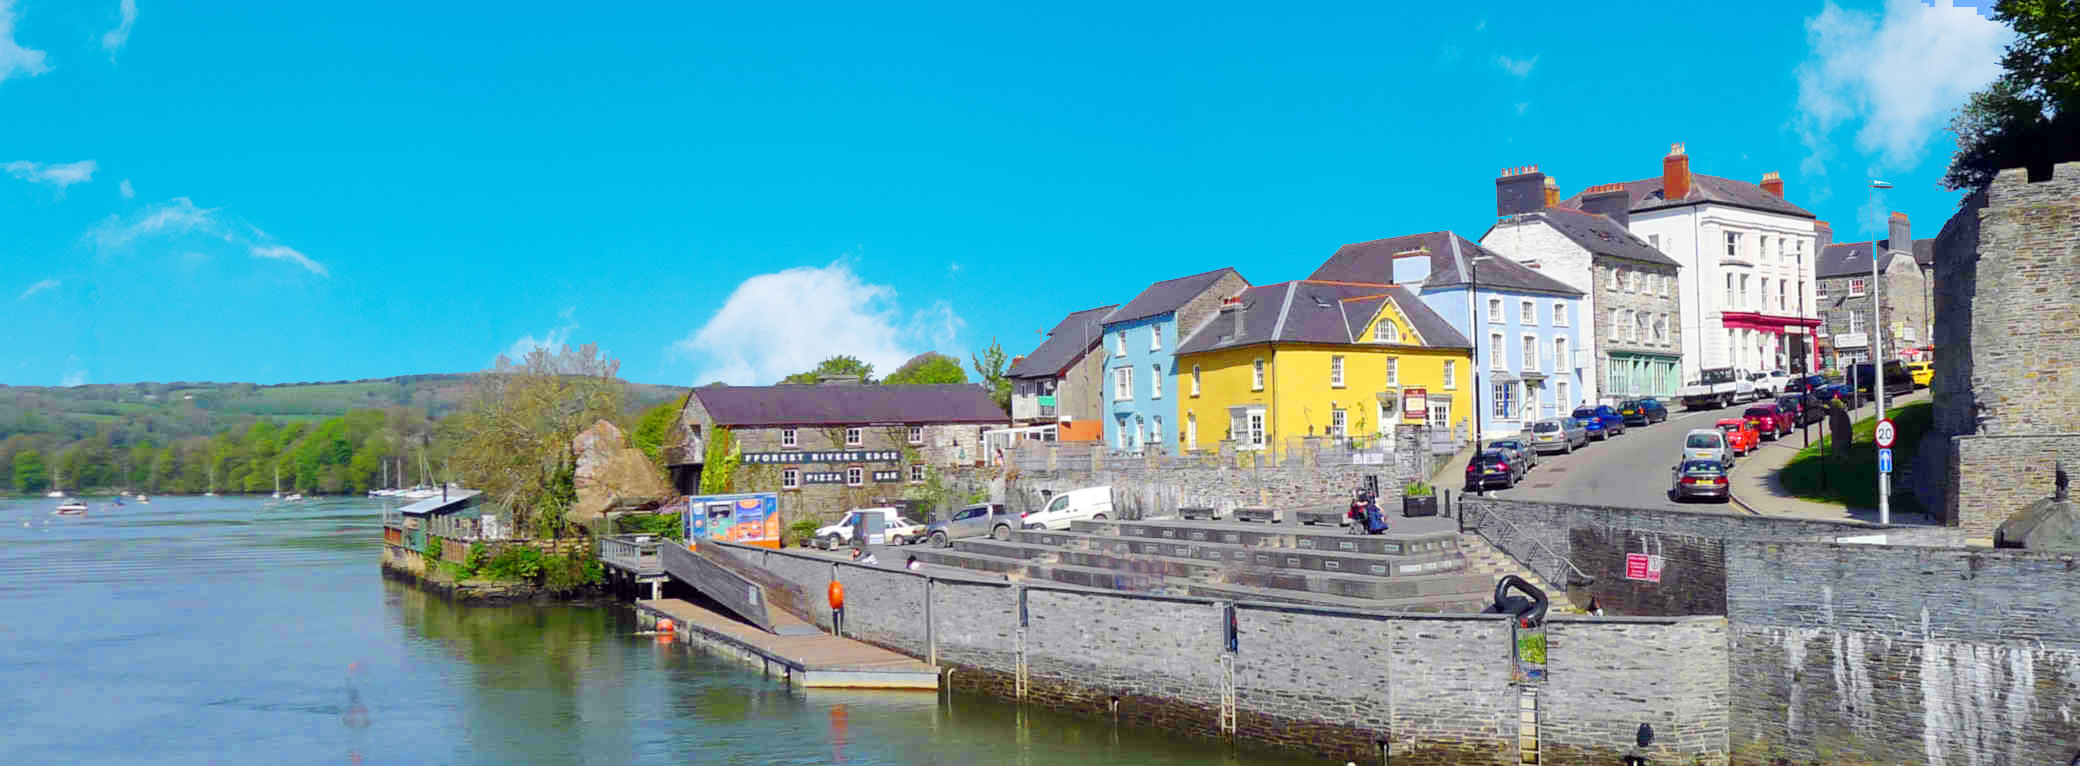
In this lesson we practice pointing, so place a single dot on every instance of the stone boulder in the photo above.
(612, 476)
(2047, 525)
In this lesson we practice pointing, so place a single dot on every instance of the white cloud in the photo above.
(1520, 68)
(775, 325)
(1900, 75)
(553, 340)
(48, 284)
(61, 174)
(286, 253)
(1523, 106)
(15, 59)
(125, 188)
(173, 217)
(74, 378)
(113, 40)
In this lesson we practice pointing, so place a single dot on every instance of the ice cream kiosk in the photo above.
(751, 518)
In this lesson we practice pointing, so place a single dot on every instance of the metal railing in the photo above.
(627, 552)
(1511, 539)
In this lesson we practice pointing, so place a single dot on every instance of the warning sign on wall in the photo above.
(1640, 566)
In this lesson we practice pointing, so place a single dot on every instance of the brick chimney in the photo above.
(1823, 235)
(1411, 267)
(1675, 174)
(1520, 190)
(1552, 192)
(1231, 311)
(1774, 184)
(1899, 236)
(1610, 201)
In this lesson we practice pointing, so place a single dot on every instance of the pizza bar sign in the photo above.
(888, 476)
(849, 456)
(823, 477)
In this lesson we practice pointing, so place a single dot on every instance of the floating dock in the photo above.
(802, 653)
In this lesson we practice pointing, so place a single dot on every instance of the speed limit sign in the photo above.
(1885, 434)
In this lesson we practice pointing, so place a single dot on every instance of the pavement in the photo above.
(1758, 486)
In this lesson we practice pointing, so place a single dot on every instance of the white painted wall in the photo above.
(1695, 237)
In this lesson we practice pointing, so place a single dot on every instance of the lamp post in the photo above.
(1473, 299)
(1877, 358)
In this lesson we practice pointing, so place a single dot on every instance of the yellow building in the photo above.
(1316, 358)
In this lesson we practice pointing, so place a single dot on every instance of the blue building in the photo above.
(1140, 343)
(1528, 331)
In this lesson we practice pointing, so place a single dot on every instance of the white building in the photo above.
(1747, 260)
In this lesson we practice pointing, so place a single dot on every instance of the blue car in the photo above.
(1603, 421)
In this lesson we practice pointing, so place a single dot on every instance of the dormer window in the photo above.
(1386, 332)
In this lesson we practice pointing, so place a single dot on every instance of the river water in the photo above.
(245, 630)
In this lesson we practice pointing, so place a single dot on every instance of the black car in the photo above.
(1898, 382)
(1643, 412)
(1805, 384)
(1805, 409)
(1519, 450)
(1490, 469)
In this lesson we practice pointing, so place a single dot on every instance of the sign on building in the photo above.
(1415, 405)
(888, 476)
(845, 456)
(1640, 566)
(823, 477)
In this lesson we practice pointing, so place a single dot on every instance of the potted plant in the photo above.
(1418, 499)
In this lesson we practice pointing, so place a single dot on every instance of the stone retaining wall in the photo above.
(2008, 474)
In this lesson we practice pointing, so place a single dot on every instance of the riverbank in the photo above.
(407, 566)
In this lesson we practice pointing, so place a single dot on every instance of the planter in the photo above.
(1424, 505)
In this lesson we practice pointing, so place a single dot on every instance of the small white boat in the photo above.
(55, 493)
(72, 508)
(293, 496)
(144, 499)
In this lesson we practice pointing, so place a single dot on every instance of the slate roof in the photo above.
(1316, 311)
(849, 405)
(1599, 235)
(1849, 259)
(1449, 253)
(1065, 344)
(1167, 296)
(1646, 194)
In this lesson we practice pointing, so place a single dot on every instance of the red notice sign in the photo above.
(1640, 566)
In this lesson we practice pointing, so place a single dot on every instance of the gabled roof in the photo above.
(1065, 344)
(1646, 194)
(1850, 259)
(1449, 255)
(850, 405)
(1314, 311)
(1167, 296)
(1599, 235)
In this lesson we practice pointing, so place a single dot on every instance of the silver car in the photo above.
(1558, 435)
(977, 520)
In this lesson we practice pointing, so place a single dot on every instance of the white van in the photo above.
(893, 526)
(1087, 504)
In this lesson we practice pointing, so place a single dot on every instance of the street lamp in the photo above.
(1473, 299)
(1877, 342)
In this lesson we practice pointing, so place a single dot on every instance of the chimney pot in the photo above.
(1675, 174)
(1552, 198)
(1774, 184)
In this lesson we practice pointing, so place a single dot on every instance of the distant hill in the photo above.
(166, 411)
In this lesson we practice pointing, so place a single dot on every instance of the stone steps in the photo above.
(1483, 557)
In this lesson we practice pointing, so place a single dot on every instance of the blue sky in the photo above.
(279, 192)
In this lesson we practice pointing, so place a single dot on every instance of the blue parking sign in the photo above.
(1885, 460)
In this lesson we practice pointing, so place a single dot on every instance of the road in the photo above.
(1629, 471)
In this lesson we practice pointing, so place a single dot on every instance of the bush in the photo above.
(1417, 489)
(433, 547)
(516, 563)
(666, 525)
(478, 554)
(1532, 648)
(801, 532)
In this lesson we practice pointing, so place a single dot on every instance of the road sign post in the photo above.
(1884, 435)
(1884, 460)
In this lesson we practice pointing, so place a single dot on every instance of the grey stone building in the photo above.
(830, 447)
(1629, 285)
(2007, 336)
(1844, 290)
(1057, 384)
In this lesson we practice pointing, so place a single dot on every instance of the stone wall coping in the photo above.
(1681, 513)
(1584, 620)
(2029, 435)
(2007, 554)
(1381, 616)
(959, 578)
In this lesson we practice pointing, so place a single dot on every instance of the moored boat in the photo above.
(72, 508)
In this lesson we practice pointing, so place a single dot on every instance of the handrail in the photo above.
(625, 551)
(1573, 576)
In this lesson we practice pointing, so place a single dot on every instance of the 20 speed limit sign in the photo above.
(1885, 434)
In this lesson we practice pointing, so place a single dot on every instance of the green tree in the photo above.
(2026, 118)
(838, 366)
(511, 438)
(654, 429)
(928, 367)
(990, 365)
(719, 464)
(30, 474)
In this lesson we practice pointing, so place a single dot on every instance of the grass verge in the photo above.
(1853, 480)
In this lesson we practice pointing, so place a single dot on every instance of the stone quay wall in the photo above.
(1893, 654)
(1435, 689)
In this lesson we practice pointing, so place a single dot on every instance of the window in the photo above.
(1561, 361)
(1631, 329)
(1256, 375)
(1393, 371)
(1155, 431)
(790, 478)
(854, 436)
(1451, 373)
(1617, 279)
(1498, 357)
(1256, 428)
(1339, 418)
(1191, 431)
(1504, 397)
(787, 438)
(1747, 298)
(1195, 380)
(1530, 352)
(1530, 314)
(1246, 427)
(1440, 413)
(1155, 381)
(1781, 291)
(1119, 345)
(1661, 329)
(1155, 337)
(1560, 396)
(1654, 240)
(1765, 295)
(1729, 292)
(1632, 281)
(1386, 331)
(1856, 289)
(855, 476)
(1617, 322)
(1495, 310)
(1668, 285)
(1762, 247)
(1855, 318)
(1644, 330)
(1123, 384)
(1733, 244)
(1335, 372)
(916, 473)
(1559, 313)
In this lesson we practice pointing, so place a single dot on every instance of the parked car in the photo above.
(1558, 435)
(1805, 384)
(1805, 409)
(1922, 372)
(905, 532)
(1898, 382)
(1643, 412)
(1707, 444)
(1604, 415)
(1490, 469)
(970, 521)
(834, 536)
(1767, 384)
(1740, 437)
(1700, 478)
(1519, 451)
(1769, 420)
(1087, 504)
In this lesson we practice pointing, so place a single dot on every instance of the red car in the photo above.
(1770, 420)
(1740, 437)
